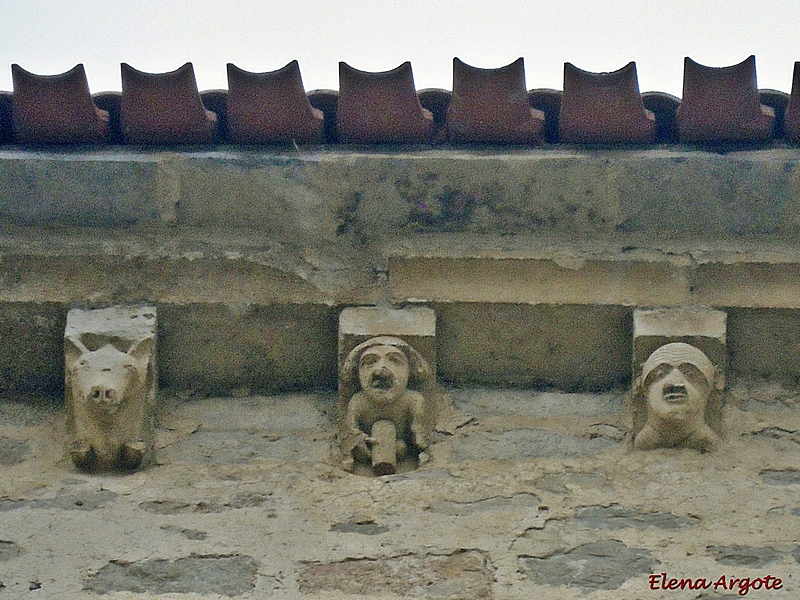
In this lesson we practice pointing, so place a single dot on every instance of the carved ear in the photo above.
(73, 350)
(141, 351)
(350, 365)
(420, 369)
(719, 379)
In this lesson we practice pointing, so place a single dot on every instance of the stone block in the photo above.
(760, 282)
(700, 327)
(31, 342)
(82, 189)
(110, 386)
(215, 348)
(765, 343)
(679, 373)
(569, 347)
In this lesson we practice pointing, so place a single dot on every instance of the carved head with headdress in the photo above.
(678, 384)
(384, 367)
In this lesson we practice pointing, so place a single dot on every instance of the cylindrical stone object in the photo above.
(384, 453)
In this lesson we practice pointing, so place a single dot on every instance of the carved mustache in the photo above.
(382, 379)
(674, 392)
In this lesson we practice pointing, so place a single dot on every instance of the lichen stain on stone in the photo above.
(212, 574)
(602, 565)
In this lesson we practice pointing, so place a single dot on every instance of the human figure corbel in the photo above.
(388, 419)
(678, 386)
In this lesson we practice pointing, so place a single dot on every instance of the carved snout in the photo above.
(105, 397)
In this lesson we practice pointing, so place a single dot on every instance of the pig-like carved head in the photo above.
(101, 379)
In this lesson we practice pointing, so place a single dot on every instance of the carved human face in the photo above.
(383, 372)
(677, 391)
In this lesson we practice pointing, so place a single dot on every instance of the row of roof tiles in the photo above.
(719, 105)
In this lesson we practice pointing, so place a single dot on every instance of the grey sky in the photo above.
(51, 36)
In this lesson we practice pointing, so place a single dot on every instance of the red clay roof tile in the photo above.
(265, 108)
(164, 108)
(56, 109)
(722, 104)
(604, 108)
(491, 105)
(383, 107)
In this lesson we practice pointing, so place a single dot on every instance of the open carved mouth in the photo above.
(675, 393)
(381, 380)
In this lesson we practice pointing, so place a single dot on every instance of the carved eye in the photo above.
(659, 372)
(368, 360)
(397, 358)
(693, 374)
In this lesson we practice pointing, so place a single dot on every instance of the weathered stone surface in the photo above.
(83, 501)
(657, 270)
(496, 503)
(12, 451)
(259, 428)
(524, 443)
(763, 343)
(602, 565)
(230, 280)
(519, 345)
(618, 517)
(750, 284)
(230, 448)
(293, 514)
(189, 534)
(779, 433)
(312, 198)
(367, 528)
(464, 575)
(105, 189)
(178, 507)
(754, 557)
(179, 265)
(9, 550)
(740, 193)
(536, 404)
(569, 280)
(263, 347)
(31, 347)
(225, 575)
(781, 476)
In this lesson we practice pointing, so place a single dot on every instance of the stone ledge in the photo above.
(179, 265)
(619, 270)
(306, 198)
